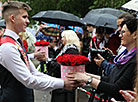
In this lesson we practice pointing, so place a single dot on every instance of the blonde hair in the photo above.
(71, 38)
(22, 35)
(13, 7)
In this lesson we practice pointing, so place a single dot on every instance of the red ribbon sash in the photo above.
(10, 40)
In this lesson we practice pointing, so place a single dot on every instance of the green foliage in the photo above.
(77, 7)
(108, 3)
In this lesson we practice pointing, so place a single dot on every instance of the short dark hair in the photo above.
(109, 30)
(100, 30)
(85, 28)
(90, 25)
(131, 24)
(123, 15)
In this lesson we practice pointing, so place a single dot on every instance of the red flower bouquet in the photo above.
(41, 43)
(72, 60)
(71, 63)
(42, 46)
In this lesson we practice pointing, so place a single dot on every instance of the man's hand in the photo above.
(98, 60)
(70, 83)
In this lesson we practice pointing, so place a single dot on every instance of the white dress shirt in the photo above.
(11, 60)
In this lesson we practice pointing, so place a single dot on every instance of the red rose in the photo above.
(41, 43)
(80, 60)
(72, 60)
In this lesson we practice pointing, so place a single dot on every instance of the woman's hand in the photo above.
(110, 53)
(130, 96)
(98, 60)
(80, 77)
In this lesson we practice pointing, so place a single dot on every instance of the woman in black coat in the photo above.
(71, 45)
(124, 72)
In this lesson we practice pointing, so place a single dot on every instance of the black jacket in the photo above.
(119, 79)
(12, 90)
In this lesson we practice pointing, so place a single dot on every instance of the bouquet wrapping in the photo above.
(71, 63)
(68, 69)
(42, 46)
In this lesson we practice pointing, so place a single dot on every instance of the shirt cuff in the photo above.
(59, 83)
(31, 56)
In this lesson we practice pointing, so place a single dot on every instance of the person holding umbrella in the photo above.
(106, 66)
(97, 42)
(85, 42)
(124, 72)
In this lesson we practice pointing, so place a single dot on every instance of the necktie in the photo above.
(19, 40)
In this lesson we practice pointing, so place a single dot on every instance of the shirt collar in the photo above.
(11, 34)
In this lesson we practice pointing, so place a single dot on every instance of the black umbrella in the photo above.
(58, 17)
(111, 11)
(2, 23)
(104, 20)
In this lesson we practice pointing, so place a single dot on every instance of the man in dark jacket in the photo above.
(18, 76)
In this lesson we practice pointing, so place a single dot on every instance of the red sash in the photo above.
(10, 40)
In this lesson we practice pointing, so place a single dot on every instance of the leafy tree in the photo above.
(77, 7)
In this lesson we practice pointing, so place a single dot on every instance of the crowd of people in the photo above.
(112, 68)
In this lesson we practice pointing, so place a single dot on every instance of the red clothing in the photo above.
(114, 43)
(93, 43)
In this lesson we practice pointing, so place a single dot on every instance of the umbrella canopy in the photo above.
(51, 31)
(131, 5)
(104, 20)
(2, 23)
(111, 11)
(58, 17)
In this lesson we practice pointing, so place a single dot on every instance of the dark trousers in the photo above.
(62, 95)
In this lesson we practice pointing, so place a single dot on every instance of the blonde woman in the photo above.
(71, 45)
(69, 40)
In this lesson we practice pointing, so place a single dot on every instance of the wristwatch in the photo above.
(89, 80)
